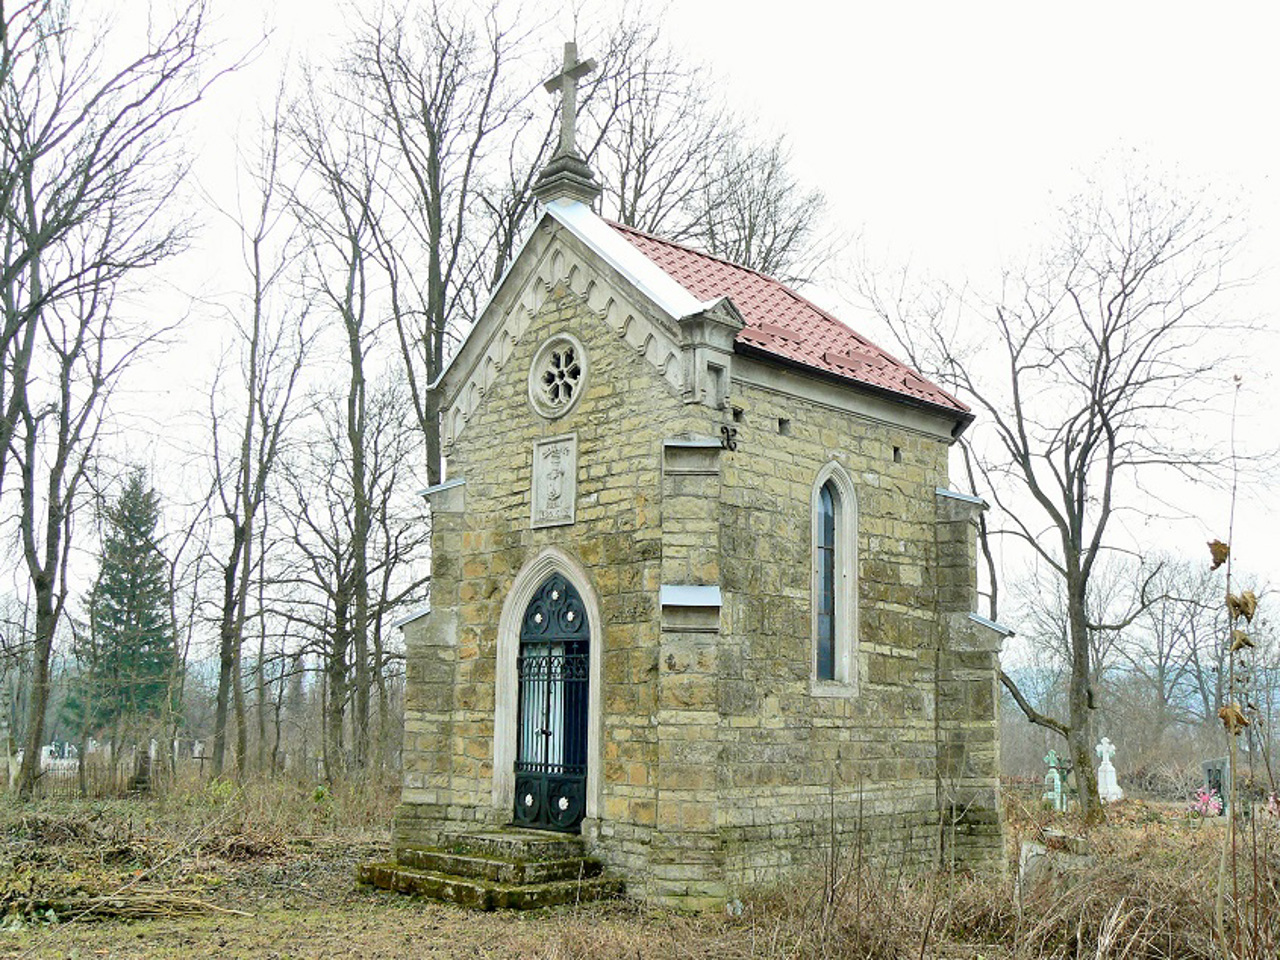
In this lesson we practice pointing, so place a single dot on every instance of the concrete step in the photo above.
(486, 894)
(512, 843)
(498, 869)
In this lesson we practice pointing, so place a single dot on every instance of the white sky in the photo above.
(938, 131)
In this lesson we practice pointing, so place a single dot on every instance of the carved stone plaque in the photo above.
(555, 480)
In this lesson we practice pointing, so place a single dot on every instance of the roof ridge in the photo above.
(694, 250)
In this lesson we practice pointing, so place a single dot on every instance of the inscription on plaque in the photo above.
(555, 480)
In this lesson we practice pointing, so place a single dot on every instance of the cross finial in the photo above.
(566, 83)
(567, 174)
(1106, 749)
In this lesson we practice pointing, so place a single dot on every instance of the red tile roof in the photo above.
(781, 322)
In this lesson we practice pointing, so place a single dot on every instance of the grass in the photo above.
(266, 870)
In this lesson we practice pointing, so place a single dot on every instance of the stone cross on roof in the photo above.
(567, 175)
(566, 83)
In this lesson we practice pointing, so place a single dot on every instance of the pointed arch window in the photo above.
(835, 581)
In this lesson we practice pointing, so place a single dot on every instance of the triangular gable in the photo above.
(570, 244)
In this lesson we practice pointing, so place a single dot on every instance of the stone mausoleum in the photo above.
(701, 594)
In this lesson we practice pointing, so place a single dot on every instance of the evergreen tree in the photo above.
(131, 655)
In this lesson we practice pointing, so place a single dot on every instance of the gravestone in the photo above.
(1217, 777)
(1053, 792)
(1108, 790)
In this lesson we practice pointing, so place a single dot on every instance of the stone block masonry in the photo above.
(717, 760)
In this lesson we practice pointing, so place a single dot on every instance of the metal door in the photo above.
(551, 727)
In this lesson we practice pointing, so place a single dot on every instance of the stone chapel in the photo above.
(701, 593)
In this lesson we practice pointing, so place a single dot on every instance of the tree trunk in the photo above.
(1080, 706)
(228, 647)
(336, 674)
(260, 691)
(46, 620)
(432, 430)
(356, 438)
(242, 727)
(384, 708)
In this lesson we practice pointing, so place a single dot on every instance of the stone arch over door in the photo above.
(532, 575)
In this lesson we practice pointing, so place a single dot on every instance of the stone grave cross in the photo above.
(1108, 790)
(1053, 784)
(566, 83)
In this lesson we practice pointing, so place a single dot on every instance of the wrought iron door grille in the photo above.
(552, 668)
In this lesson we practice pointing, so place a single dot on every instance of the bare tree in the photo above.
(339, 219)
(318, 579)
(436, 89)
(653, 127)
(674, 161)
(88, 169)
(1176, 649)
(753, 211)
(273, 344)
(1086, 371)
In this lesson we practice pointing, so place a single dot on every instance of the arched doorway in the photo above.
(553, 685)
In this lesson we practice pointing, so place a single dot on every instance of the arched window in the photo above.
(835, 581)
(826, 598)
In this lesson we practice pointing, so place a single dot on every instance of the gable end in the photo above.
(554, 258)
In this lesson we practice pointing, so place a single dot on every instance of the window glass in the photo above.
(826, 583)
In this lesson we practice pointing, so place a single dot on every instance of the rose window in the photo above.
(558, 376)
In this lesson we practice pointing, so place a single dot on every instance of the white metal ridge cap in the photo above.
(999, 628)
(612, 247)
(445, 485)
(957, 495)
(411, 616)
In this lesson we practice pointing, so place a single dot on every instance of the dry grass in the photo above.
(196, 859)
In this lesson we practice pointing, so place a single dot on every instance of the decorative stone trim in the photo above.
(531, 576)
(555, 481)
(689, 595)
(691, 456)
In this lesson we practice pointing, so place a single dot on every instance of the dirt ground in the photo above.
(302, 901)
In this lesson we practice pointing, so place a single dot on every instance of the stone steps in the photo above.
(498, 869)
(514, 843)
